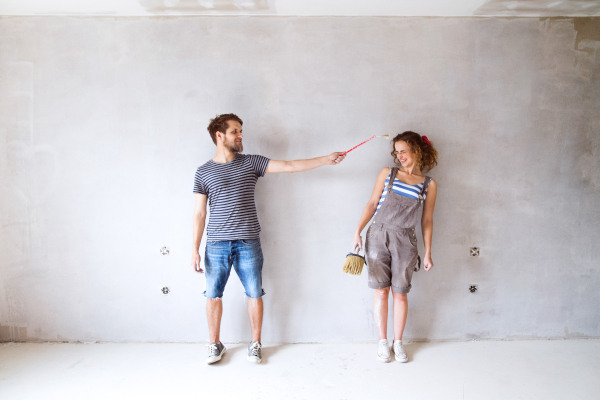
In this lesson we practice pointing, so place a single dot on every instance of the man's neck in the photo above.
(224, 155)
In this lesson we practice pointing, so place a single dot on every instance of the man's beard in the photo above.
(233, 147)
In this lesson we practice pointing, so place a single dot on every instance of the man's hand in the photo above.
(196, 262)
(335, 158)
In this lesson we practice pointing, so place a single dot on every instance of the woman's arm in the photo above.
(370, 208)
(427, 223)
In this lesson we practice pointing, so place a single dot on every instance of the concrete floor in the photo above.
(556, 369)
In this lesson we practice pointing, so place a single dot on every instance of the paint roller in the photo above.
(373, 137)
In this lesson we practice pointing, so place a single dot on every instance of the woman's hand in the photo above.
(427, 263)
(357, 241)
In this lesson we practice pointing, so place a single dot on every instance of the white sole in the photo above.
(402, 360)
(215, 359)
(254, 360)
(384, 360)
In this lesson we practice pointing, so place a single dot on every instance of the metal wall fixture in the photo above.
(474, 251)
(165, 290)
(164, 251)
(473, 288)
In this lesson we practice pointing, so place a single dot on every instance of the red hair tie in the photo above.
(426, 140)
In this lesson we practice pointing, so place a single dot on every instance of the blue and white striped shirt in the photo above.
(230, 190)
(402, 189)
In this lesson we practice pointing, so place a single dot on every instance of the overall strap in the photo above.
(424, 188)
(393, 173)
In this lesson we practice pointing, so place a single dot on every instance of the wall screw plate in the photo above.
(474, 251)
(473, 288)
(164, 251)
(165, 290)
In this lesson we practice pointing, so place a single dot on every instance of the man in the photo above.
(227, 182)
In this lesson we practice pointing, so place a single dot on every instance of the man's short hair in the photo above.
(219, 124)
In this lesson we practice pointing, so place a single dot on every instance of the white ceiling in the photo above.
(530, 8)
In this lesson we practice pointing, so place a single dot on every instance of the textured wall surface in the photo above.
(103, 124)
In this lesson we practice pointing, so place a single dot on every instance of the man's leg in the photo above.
(218, 266)
(214, 312)
(255, 311)
(248, 262)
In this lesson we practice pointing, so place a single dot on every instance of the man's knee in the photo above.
(255, 293)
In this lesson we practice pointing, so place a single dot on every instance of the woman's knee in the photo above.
(401, 297)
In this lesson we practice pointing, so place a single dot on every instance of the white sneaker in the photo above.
(399, 352)
(383, 353)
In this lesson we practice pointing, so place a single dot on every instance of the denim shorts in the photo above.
(247, 259)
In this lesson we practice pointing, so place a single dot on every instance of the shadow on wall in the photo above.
(13, 334)
(203, 6)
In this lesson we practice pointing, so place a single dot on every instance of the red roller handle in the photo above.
(374, 136)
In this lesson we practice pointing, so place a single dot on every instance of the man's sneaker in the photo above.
(383, 354)
(254, 352)
(215, 352)
(399, 352)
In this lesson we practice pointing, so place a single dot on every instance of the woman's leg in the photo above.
(400, 313)
(380, 310)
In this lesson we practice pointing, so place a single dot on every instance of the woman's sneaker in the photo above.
(383, 354)
(254, 349)
(215, 352)
(399, 352)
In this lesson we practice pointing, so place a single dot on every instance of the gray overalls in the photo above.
(391, 244)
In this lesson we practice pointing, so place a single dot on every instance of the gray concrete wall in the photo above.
(102, 126)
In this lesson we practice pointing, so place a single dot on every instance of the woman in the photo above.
(391, 242)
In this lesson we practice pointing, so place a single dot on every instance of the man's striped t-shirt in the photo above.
(230, 190)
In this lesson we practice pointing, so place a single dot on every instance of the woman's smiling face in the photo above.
(403, 153)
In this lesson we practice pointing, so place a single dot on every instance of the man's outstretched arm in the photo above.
(304, 165)
(199, 222)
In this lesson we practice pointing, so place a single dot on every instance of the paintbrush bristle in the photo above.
(353, 265)
(385, 136)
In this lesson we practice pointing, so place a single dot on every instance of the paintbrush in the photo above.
(354, 263)
(373, 137)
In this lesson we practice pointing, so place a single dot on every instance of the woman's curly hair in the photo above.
(423, 151)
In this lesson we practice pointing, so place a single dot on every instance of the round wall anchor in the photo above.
(473, 288)
(164, 251)
(165, 290)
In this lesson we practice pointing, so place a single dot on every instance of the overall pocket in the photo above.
(412, 237)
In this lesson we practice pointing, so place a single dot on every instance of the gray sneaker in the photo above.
(215, 352)
(254, 352)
